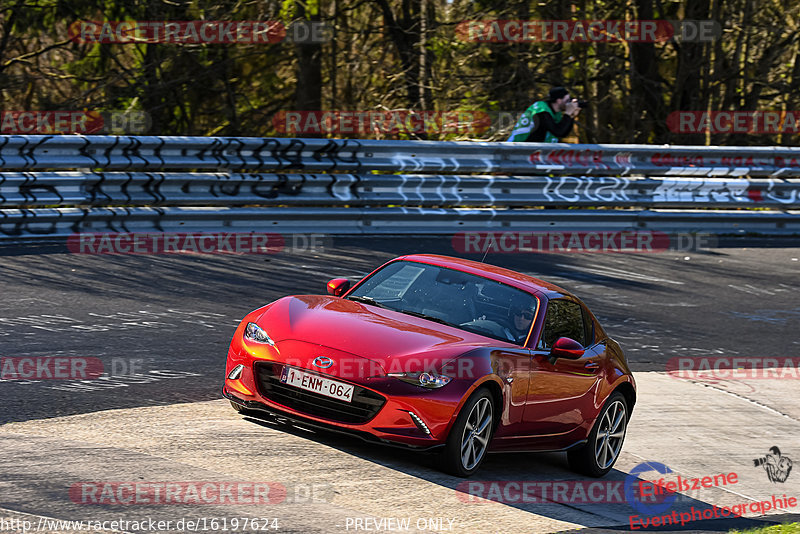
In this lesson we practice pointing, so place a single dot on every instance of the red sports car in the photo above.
(438, 352)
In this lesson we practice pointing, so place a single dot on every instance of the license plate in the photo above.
(317, 384)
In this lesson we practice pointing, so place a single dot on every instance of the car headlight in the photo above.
(426, 380)
(253, 332)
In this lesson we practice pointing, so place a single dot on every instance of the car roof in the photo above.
(492, 272)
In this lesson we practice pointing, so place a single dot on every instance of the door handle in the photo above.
(592, 366)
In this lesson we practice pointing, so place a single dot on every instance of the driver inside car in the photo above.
(521, 320)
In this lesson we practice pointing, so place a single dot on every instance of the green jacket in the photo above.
(526, 123)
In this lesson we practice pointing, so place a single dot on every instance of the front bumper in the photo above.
(408, 415)
(262, 411)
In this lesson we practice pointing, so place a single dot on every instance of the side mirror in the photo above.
(568, 348)
(338, 286)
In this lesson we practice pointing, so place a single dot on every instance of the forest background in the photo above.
(404, 58)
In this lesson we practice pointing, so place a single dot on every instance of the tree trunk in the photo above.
(647, 100)
(308, 93)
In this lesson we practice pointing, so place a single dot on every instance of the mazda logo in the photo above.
(322, 361)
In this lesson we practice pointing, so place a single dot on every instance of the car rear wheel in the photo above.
(598, 455)
(470, 436)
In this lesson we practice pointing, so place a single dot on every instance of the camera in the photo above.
(758, 462)
(583, 104)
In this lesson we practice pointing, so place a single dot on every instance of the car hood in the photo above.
(377, 334)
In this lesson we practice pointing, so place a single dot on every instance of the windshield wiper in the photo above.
(428, 317)
(366, 300)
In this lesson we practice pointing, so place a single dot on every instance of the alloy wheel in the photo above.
(475, 439)
(610, 434)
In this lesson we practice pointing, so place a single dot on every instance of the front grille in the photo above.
(365, 405)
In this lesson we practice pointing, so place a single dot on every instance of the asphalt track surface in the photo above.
(160, 325)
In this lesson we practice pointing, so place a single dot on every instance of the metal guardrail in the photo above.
(60, 222)
(60, 185)
(418, 190)
(37, 152)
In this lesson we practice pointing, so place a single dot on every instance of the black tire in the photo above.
(239, 408)
(598, 455)
(465, 437)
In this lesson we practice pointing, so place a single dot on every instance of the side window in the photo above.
(564, 319)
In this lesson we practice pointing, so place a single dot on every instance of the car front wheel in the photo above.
(470, 436)
(598, 455)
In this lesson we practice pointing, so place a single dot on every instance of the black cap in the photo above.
(556, 93)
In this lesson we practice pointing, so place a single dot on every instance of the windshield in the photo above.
(447, 296)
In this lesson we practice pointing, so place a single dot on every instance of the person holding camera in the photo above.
(548, 120)
(777, 466)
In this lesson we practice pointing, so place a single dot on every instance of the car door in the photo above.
(511, 364)
(513, 368)
(561, 392)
